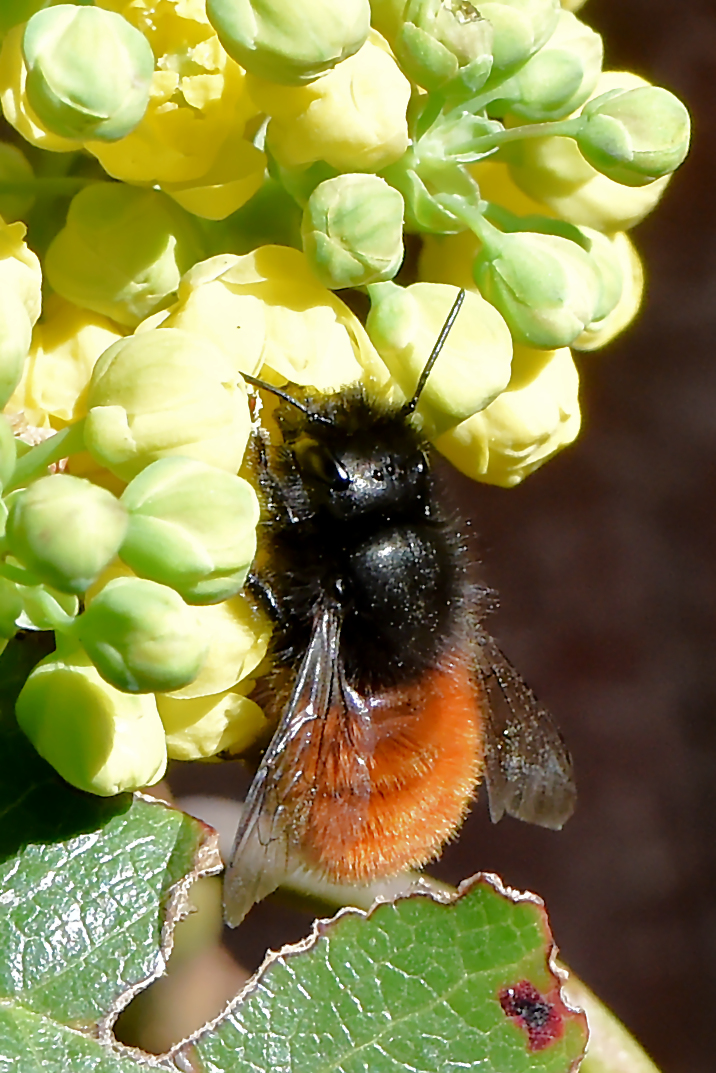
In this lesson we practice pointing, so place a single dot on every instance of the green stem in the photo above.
(481, 101)
(565, 128)
(542, 225)
(473, 216)
(18, 574)
(47, 187)
(63, 444)
(38, 599)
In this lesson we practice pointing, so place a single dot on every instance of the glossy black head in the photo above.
(357, 460)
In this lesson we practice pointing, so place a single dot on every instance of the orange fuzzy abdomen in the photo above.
(424, 756)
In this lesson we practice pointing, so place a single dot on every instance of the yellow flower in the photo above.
(496, 184)
(530, 421)
(235, 175)
(449, 258)
(98, 739)
(201, 727)
(198, 109)
(20, 301)
(474, 364)
(65, 346)
(165, 392)
(238, 636)
(20, 269)
(271, 317)
(353, 118)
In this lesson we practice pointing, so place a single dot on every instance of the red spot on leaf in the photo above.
(542, 1016)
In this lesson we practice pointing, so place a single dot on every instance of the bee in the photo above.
(390, 699)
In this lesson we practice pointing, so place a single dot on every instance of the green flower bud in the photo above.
(166, 392)
(559, 78)
(89, 72)
(635, 136)
(10, 608)
(65, 530)
(547, 288)
(290, 43)
(14, 168)
(8, 451)
(142, 637)
(520, 28)
(122, 251)
(192, 527)
(353, 231)
(98, 739)
(474, 364)
(442, 41)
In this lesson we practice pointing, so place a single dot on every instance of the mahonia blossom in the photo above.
(203, 179)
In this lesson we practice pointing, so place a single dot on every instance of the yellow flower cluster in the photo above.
(263, 313)
(195, 209)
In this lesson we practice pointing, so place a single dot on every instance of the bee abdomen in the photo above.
(424, 766)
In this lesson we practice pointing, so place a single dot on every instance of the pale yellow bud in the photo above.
(601, 332)
(473, 366)
(97, 738)
(165, 392)
(534, 418)
(201, 727)
(354, 118)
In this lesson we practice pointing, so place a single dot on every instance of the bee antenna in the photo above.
(409, 407)
(286, 398)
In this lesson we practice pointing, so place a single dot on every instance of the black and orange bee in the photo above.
(391, 702)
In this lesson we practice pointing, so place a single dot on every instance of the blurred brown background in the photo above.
(606, 567)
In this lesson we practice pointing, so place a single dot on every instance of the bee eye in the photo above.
(320, 463)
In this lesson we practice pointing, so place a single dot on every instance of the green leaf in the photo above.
(414, 985)
(89, 892)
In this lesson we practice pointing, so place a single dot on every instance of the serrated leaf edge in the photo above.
(178, 1055)
(207, 862)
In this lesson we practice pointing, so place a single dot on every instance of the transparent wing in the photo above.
(313, 778)
(265, 849)
(528, 769)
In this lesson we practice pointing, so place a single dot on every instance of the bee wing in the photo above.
(266, 848)
(529, 771)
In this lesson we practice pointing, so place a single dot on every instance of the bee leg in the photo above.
(264, 593)
(278, 491)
